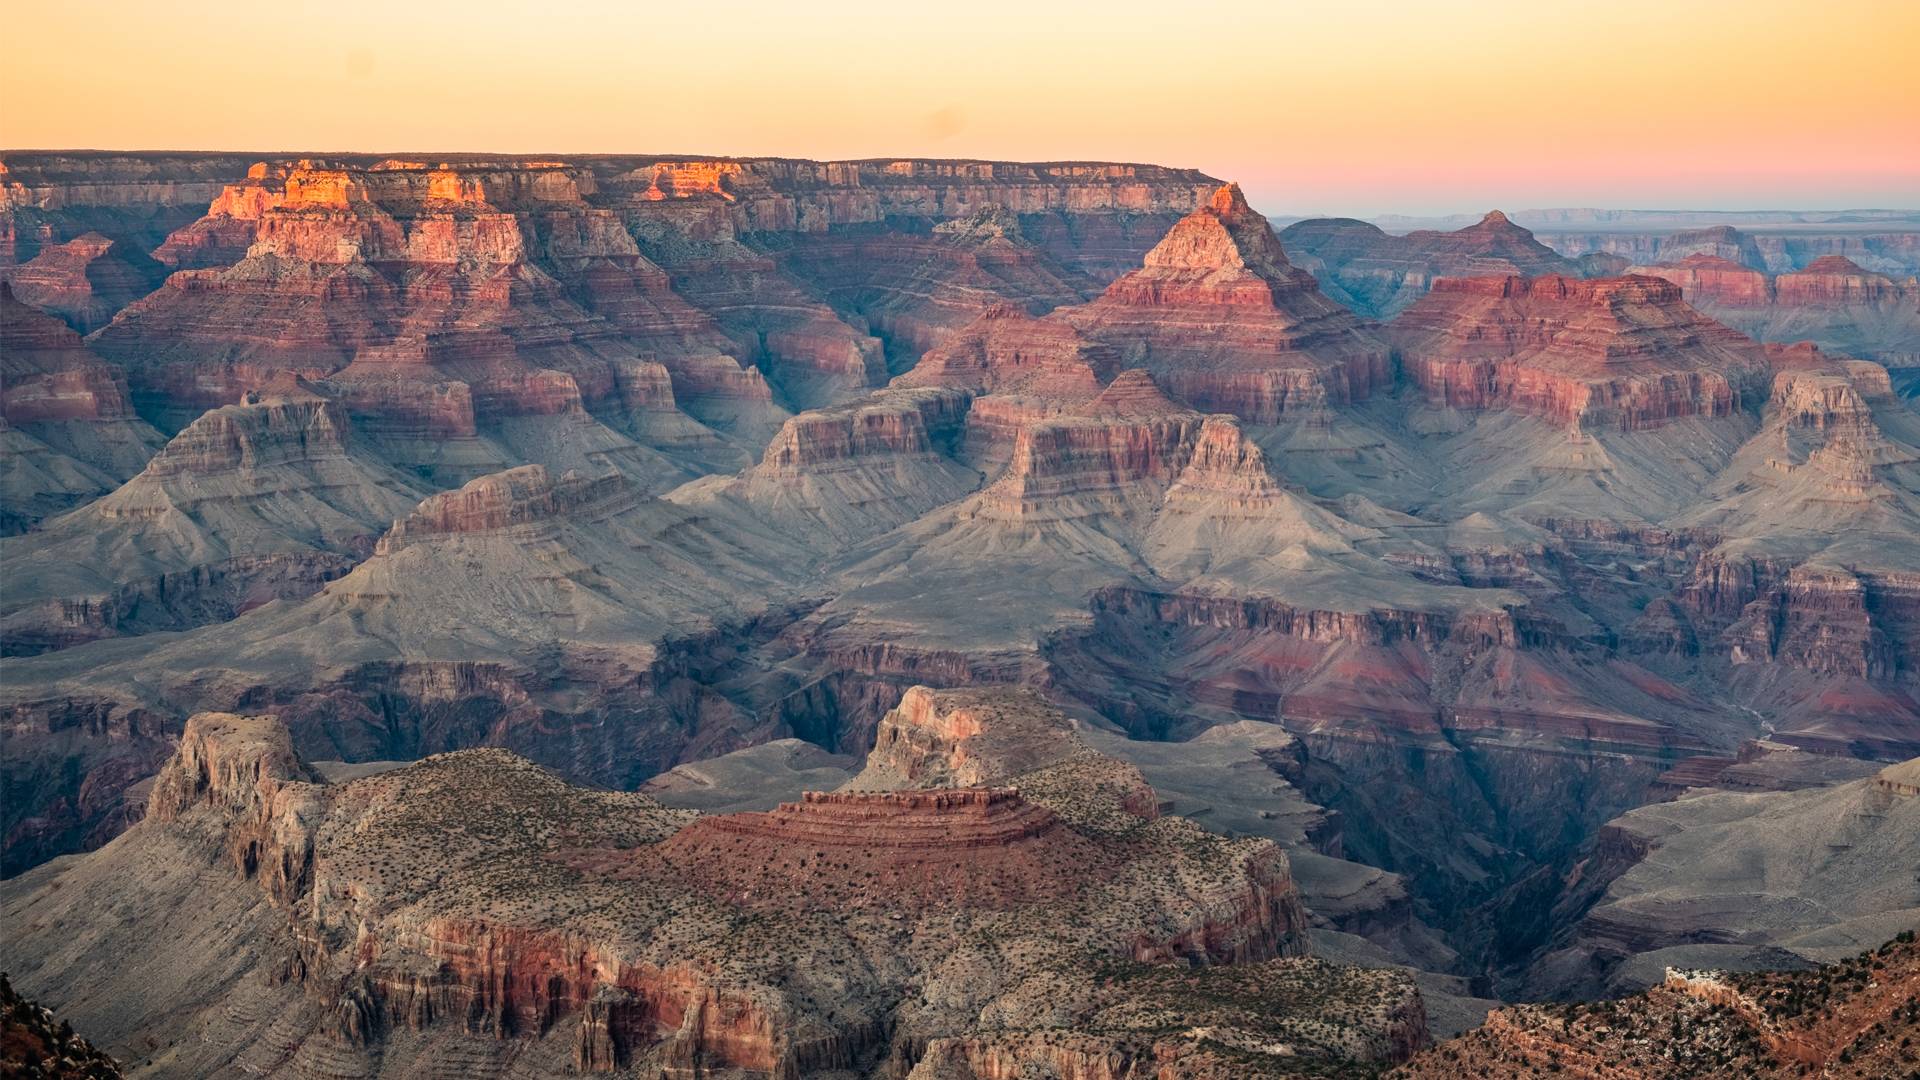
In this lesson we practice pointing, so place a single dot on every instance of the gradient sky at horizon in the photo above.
(1351, 107)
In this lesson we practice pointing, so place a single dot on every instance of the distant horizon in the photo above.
(1362, 110)
(1260, 201)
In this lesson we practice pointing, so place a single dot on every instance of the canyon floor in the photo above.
(956, 620)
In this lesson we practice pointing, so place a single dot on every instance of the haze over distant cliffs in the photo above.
(939, 619)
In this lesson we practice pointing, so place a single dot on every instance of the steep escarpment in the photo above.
(85, 280)
(1831, 301)
(1741, 878)
(1378, 274)
(70, 430)
(500, 273)
(600, 931)
(1615, 351)
(1228, 324)
(251, 503)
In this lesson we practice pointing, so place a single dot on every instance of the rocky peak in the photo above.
(966, 738)
(1225, 234)
(1007, 351)
(226, 760)
(1133, 394)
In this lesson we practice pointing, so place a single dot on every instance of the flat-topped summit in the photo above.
(1624, 348)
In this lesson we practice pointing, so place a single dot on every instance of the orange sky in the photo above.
(1337, 106)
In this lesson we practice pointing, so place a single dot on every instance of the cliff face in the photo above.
(1220, 316)
(754, 282)
(250, 503)
(85, 280)
(70, 433)
(1831, 301)
(602, 930)
(1625, 352)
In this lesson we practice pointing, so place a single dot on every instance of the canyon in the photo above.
(928, 618)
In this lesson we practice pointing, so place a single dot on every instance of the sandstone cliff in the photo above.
(599, 931)
(1221, 316)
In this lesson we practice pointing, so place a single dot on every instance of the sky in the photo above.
(1339, 106)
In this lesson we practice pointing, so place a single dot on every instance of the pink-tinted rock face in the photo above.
(914, 292)
(1008, 352)
(85, 280)
(1831, 302)
(1228, 325)
(489, 276)
(1835, 280)
(1625, 352)
(50, 375)
(1121, 454)
(1709, 280)
(73, 408)
(1378, 274)
(896, 424)
(516, 497)
(959, 848)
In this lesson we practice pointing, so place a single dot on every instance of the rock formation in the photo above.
(686, 473)
(1219, 314)
(251, 503)
(602, 931)
(86, 280)
(1379, 274)
(1831, 301)
(69, 431)
(1623, 351)
(1852, 1018)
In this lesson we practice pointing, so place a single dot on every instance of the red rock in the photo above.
(897, 849)
(1380, 274)
(65, 416)
(914, 292)
(50, 375)
(1008, 352)
(1711, 281)
(85, 280)
(1835, 280)
(1227, 324)
(480, 265)
(1625, 352)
